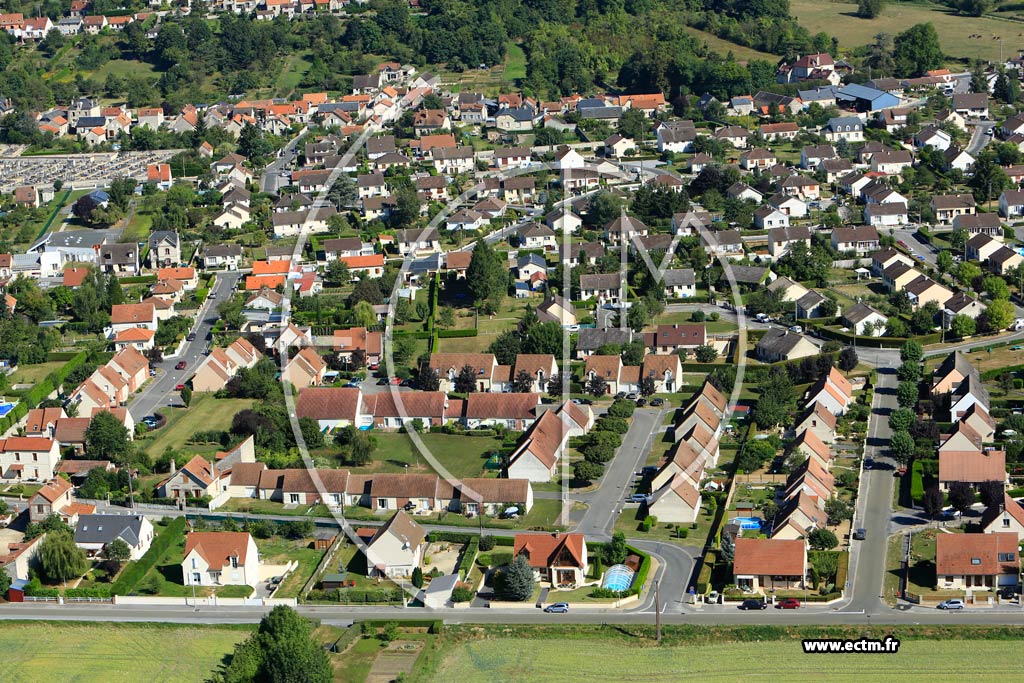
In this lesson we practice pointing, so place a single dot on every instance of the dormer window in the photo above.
(975, 560)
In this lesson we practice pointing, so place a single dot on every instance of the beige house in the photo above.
(537, 456)
(51, 499)
(24, 458)
(819, 420)
(769, 564)
(678, 501)
(976, 561)
(1007, 517)
(305, 369)
(558, 559)
(220, 558)
(812, 447)
(448, 365)
(222, 364)
(397, 547)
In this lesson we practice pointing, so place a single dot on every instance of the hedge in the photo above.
(414, 334)
(448, 334)
(133, 573)
(917, 481)
(137, 280)
(468, 557)
(35, 589)
(842, 570)
(641, 573)
(349, 596)
(704, 578)
(466, 537)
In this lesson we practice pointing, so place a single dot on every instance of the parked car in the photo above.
(557, 608)
(639, 498)
(753, 603)
(657, 402)
(796, 328)
(583, 401)
(631, 396)
(955, 603)
(382, 382)
(397, 381)
(1007, 592)
(788, 603)
(641, 402)
(859, 534)
(191, 336)
(621, 394)
(179, 387)
(181, 365)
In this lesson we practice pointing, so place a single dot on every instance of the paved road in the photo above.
(672, 613)
(908, 237)
(980, 137)
(161, 387)
(607, 501)
(271, 178)
(874, 503)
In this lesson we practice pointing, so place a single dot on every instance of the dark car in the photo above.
(181, 365)
(859, 534)
(788, 603)
(641, 402)
(382, 382)
(621, 394)
(191, 336)
(1007, 592)
(657, 402)
(753, 603)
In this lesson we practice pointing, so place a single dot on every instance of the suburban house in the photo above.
(972, 467)
(778, 345)
(25, 458)
(678, 500)
(449, 365)
(976, 561)
(558, 559)
(1007, 517)
(217, 369)
(949, 206)
(672, 338)
(762, 564)
(861, 239)
(864, 320)
(819, 420)
(93, 533)
(306, 368)
(331, 407)
(220, 558)
(54, 498)
(540, 449)
(833, 391)
(396, 549)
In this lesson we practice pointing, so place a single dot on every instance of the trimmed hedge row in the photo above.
(468, 557)
(466, 537)
(641, 573)
(133, 573)
(137, 280)
(449, 334)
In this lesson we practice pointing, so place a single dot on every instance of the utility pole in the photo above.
(657, 611)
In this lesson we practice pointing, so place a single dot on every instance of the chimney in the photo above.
(174, 466)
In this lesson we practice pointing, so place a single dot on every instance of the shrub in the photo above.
(487, 543)
(462, 593)
(621, 408)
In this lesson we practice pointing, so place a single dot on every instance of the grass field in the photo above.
(32, 374)
(515, 63)
(109, 653)
(278, 550)
(462, 456)
(533, 660)
(205, 413)
(741, 52)
(836, 18)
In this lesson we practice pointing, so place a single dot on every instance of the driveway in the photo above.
(162, 387)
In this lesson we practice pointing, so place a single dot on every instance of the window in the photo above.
(193, 563)
(234, 562)
(382, 503)
(1006, 522)
(293, 497)
(975, 560)
(1006, 557)
(196, 577)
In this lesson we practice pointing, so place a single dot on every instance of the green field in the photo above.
(596, 660)
(722, 46)
(109, 653)
(837, 19)
(205, 413)
(515, 63)
(462, 456)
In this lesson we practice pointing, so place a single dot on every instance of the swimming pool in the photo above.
(749, 522)
(619, 577)
(6, 408)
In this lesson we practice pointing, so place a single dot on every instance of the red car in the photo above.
(180, 365)
(179, 387)
(788, 603)
(396, 381)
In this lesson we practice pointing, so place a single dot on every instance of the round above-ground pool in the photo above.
(619, 577)
(749, 522)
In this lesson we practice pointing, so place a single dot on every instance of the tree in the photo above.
(446, 317)
(465, 381)
(999, 314)
(106, 438)
(907, 394)
(597, 386)
(647, 386)
(911, 351)
(364, 314)
(361, 448)
(427, 378)
(515, 582)
(822, 539)
(487, 276)
(367, 290)
(848, 359)
(901, 419)
(337, 274)
(1006, 89)
(988, 178)
(522, 383)
(615, 551)
(417, 577)
(995, 287)
(311, 434)
(991, 493)
(587, 471)
(838, 510)
(705, 353)
(909, 372)
(901, 447)
(288, 652)
(962, 325)
(59, 557)
(186, 395)
(869, 9)
(343, 192)
(932, 501)
(961, 496)
(917, 50)
(944, 261)
(117, 551)
(776, 399)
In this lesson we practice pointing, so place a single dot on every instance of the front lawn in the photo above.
(206, 413)
(278, 550)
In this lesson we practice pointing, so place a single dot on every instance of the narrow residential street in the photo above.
(156, 392)
(874, 504)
